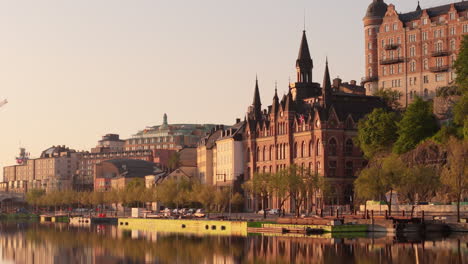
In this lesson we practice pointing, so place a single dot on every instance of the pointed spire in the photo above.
(289, 103)
(275, 104)
(257, 104)
(326, 86)
(165, 119)
(418, 8)
(304, 53)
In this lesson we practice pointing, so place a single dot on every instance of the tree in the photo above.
(390, 97)
(377, 132)
(204, 194)
(278, 185)
(418, 183)
(33, 197)
(259, 185)
(237, 202)
(417, 124)
(454, 173)
(461, 65)
(383, 177)
(174, 161)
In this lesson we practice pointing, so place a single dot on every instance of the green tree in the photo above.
(278, 185)
(237, 202)
(454, 173)
(33, 197)
(260, 186)
(381, 179)
(461, 65)
(417, 124)
(204, 194)
(377, 132)
(391, 97)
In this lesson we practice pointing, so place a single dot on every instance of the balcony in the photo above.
(442, 68)
(440, 53)
(391, 61)
(368, 79)
(391, 46)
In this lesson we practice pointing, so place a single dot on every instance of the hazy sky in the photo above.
(76, 70)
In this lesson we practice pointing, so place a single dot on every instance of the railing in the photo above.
(440, 53)
(391, 46)
(442, 68)
(391, 61)
(368, 79)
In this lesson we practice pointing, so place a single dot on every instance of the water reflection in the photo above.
(61, 243)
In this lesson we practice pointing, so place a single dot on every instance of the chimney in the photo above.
(353, 82)
(238, 120)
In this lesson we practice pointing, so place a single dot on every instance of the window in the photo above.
(349, 147)
(332, 147)
(438, 46)
(412, 51)
(303, 147)
(453, 31)
(439, 77)
(426, 79)
(452, 16)
(400, 68)
(426, 93)
(369, 32)
(395, 26)
(436, 33)
(369, 58)
(311, 148)
(425, 50)
(384, 70)
(426, 64)
(441, 19)
(439, 62)
(453, 58)
(349, 169)
(318, 148)
(332, 168)
(465, 28)
(412, 66)
(387, 28)
(383, 42)
(369, 45)
(424, 35)
(415, 24)
(411, 95)
(425, 21)
(412, 38)
(392, 69)
(452, 44)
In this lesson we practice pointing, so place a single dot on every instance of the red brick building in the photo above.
(313, 126)
(412, 52)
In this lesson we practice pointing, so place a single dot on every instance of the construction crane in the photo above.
(4, 102)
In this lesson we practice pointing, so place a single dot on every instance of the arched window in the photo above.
(349, 169)
(270, 152)
(311, 148)
(426, 64)
(295, 150)
(318, 148)
(452, 44)
(258, 154)
(317, 167)
(264, 154)
(332, 147)
(285, 150)
(303, 149)
(349, 147)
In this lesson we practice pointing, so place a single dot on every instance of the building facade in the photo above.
(313, 127)
(229, 156)
(413, 52)
(54, 170)
(168, 136)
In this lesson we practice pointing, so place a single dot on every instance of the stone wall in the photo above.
(443, 107)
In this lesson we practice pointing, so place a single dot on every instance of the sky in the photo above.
(75, 70)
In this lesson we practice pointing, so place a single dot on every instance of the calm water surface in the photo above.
(33, 243)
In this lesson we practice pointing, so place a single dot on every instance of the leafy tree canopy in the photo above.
(377, 132)
(417, 124)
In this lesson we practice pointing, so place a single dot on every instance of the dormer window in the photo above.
(452, 16)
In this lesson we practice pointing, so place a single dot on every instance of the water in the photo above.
(61, 243)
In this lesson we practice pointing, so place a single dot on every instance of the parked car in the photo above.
(199, 213)
(262, 212)
(274, 211)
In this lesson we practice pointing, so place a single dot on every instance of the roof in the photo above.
(433, 12)
(55, 151)
(131, 168)
(377, 8)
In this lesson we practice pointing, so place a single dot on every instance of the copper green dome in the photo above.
(377, 8)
